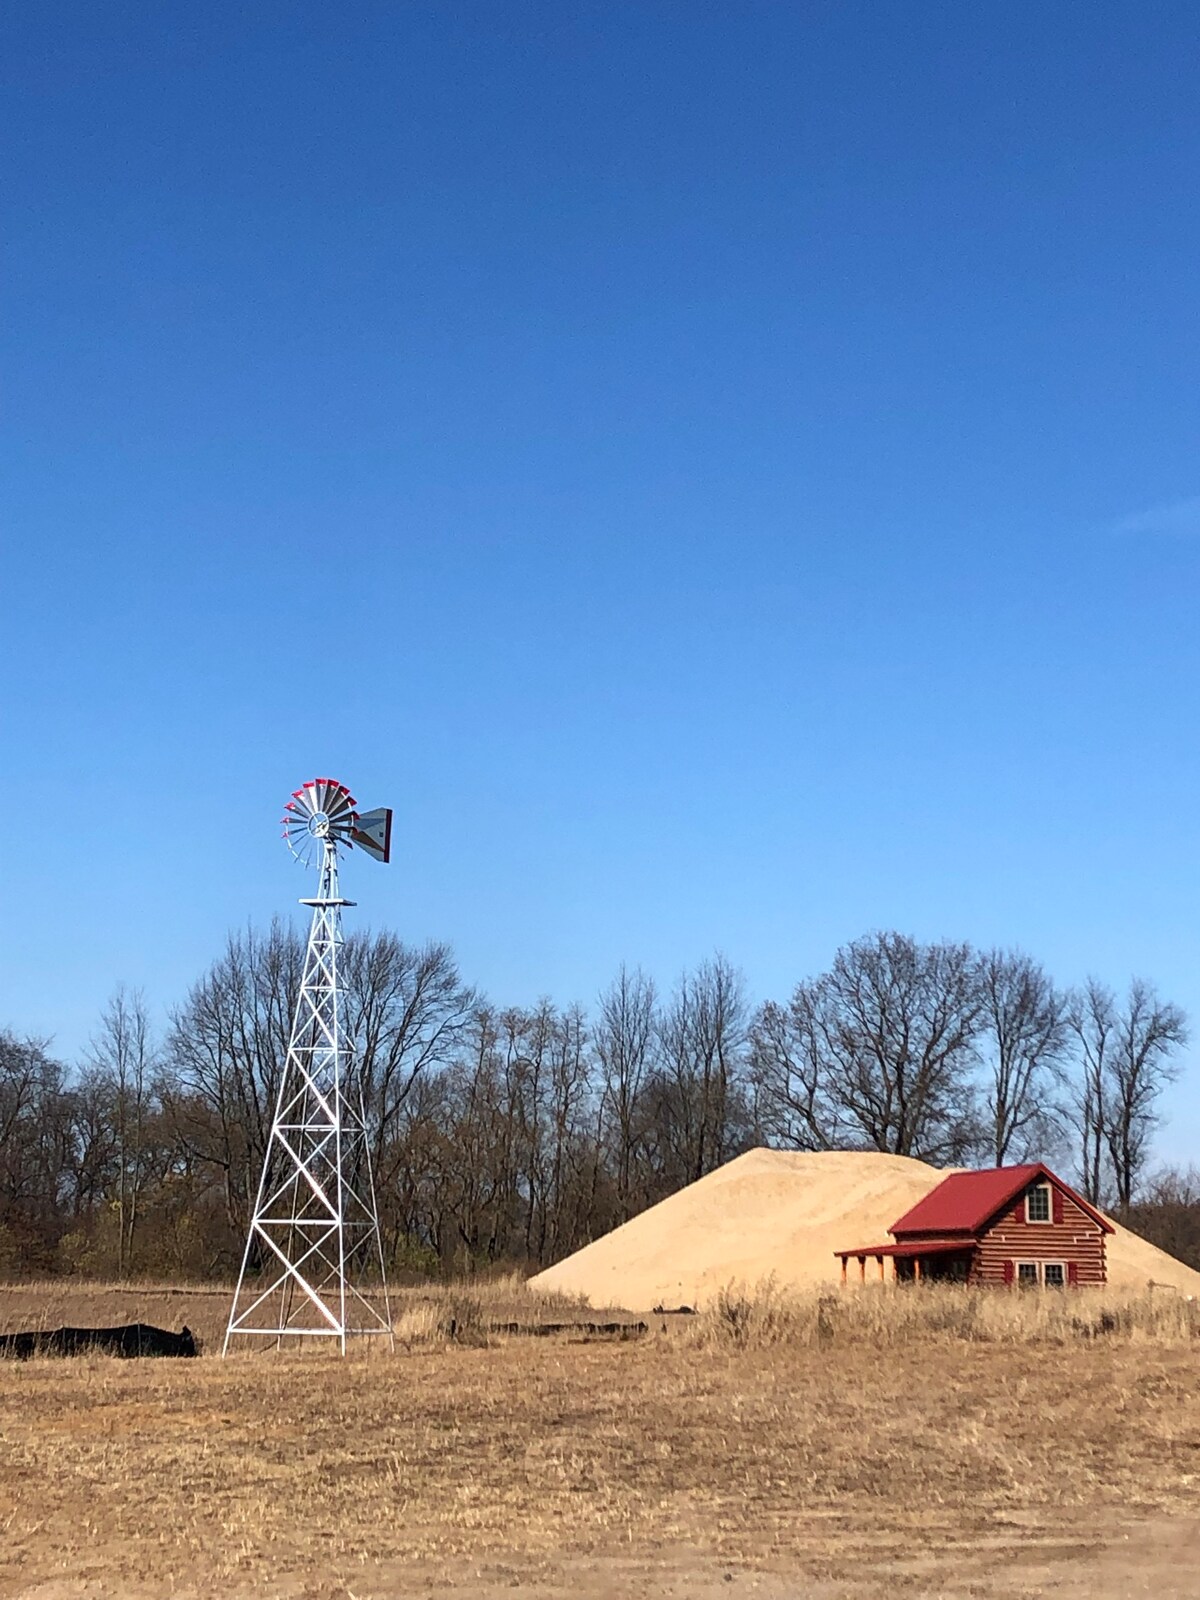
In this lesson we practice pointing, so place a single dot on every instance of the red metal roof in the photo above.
(913, 1247)
(964, 1201)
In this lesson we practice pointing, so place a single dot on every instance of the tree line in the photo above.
(517, 1134)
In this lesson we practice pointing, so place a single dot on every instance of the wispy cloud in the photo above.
(1176, 517)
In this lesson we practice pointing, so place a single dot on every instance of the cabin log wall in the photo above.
(1071, 1237)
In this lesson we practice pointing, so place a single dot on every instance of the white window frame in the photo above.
(1039, 1279)
(1040, 1222)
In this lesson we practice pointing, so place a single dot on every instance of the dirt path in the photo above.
(1159, 1558)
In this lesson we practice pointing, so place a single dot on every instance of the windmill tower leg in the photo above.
(314, 1232)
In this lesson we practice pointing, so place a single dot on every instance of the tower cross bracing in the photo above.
(313, 1262)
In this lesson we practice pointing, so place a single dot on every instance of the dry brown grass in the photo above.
(381, 1474)
(886, 1316)
(420, 1315)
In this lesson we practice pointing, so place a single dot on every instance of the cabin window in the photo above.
(1049, 1274)
(1037, 1204)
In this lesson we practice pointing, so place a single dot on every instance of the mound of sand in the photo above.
(781, 1214)
(1133, 1263)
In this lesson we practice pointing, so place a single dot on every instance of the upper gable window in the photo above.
(1037, 1203)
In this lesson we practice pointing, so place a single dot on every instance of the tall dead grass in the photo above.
(756, 1316)
(429, 1314)
(741, 1317)
(466, 1311)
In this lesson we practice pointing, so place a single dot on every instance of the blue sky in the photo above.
(726, 473)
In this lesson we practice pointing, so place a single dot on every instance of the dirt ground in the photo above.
(1158, 1559)
(569, 1467)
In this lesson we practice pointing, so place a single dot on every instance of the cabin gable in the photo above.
(1044, 1224)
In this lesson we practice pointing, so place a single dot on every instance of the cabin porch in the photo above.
(914, 1261)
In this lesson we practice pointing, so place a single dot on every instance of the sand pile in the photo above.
(1132, 1264)
(769, 1212)
(781, 1214)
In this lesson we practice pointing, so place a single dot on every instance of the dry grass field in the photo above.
(925, 1444)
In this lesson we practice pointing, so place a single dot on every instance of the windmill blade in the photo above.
(339, 801)
(373, 833)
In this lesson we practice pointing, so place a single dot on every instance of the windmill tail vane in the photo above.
(313, 1262)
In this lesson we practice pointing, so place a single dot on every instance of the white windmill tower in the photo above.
(314, 1243)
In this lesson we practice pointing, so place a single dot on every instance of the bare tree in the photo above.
(624, 1041)
(226, 1047)
(91, 1146)
(1147, 1035)
(1024, 1036)
(1125, 1052)
(123, 1054)
(479, 1189)
(790, 1062)
(702, 1038)
(22, 1065)
(900, 1022)
(573, 1121)
(548, 1094)
(1092, 1018)
(527, 1045)
(34, 1151)
(406, 1011)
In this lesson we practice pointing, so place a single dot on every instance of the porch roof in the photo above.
(910, 1248)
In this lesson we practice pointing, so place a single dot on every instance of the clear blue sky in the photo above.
(726, 473)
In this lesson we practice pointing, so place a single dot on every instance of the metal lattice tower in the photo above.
(313, 1263)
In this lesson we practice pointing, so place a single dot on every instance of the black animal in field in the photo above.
(135, 1339)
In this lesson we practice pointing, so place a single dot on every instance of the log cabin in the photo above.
(1007, 1225)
